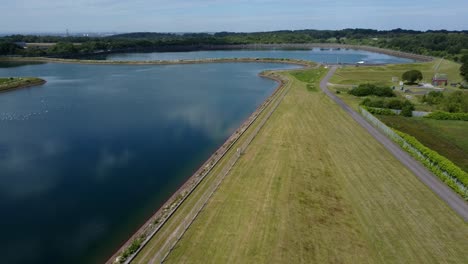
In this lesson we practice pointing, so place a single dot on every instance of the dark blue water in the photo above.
(317, 55)
(89, 156)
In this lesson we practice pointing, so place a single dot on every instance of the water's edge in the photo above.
(156, 62)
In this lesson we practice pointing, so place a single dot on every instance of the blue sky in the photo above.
(228, 15)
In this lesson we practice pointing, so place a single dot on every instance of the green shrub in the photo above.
(440, 115)
(379, 111)
(373, 103)
(407, 109)
(372, 89)
(134, 246)
(433, 98)
(394, 104)
(456, 102)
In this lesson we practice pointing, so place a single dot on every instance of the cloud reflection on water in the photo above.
(23, 174)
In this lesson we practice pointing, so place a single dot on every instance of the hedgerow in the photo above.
(372, 89)
(134, 246)
(440, 115)
(446, 170)
(378, 111)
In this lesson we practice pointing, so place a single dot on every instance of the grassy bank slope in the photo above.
(314, 187)
(14, 83)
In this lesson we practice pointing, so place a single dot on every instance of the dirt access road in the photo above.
(443, 191)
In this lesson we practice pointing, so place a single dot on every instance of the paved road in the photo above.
(443, 191)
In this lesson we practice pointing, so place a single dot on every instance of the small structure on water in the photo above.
(359, 63)
(440, 79)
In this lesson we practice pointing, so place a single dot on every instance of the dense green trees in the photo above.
(407, 109)
(8, 48)
(63, 48)
(456, 102)
(464, 67)
(433, 98)
(412, 76)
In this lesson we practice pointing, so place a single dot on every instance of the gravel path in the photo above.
(443, 191)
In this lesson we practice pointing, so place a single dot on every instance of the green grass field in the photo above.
(384, 74)
(351, 75)
(449, 138)
(314, 187)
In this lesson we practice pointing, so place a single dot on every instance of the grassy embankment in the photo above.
(14, 82)
(314, 187)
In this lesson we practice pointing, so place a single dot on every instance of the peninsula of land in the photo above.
(11, 83)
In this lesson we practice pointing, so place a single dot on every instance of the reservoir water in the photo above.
(86, 158)
(317, 55)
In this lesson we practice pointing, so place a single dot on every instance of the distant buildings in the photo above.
(21, 44)
(440, 79)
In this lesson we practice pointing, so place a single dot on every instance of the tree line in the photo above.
(464, 67)
(440, 43)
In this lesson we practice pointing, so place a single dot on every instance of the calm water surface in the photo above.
(317, 55)
(89, 156)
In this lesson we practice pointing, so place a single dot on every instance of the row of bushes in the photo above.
(379, 111)
(384, 106)
(440, 115)
(372, 89)
(130, 250)
(396, 104)
(438, 164)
